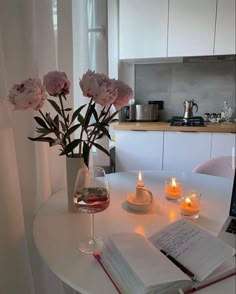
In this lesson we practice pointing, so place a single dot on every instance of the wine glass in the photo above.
(91, 196)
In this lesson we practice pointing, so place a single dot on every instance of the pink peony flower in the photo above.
(99, 87)
(56, 83)
(123, 96)
(29, 94)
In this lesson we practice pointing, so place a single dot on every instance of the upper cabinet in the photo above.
(191, 27)
(175, 28)
(225, 27)
(143, 28)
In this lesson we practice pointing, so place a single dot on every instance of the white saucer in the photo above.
(138, 206)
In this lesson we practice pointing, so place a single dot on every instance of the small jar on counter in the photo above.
(218, 118)
(206, 116)
(213, 117)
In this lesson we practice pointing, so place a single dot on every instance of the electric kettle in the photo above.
(188, 108)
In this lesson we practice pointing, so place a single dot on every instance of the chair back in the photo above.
(222, 166)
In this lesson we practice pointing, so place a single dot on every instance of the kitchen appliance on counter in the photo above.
(139, 112)
(196, 121)
(188, 108)
(188, 119)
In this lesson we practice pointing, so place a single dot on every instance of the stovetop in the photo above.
(196, 121)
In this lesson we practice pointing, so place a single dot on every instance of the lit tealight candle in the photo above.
(173, 189)
(190, 205)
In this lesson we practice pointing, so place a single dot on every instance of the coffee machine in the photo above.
(188, 108)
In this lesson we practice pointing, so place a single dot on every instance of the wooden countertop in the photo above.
(164, 126)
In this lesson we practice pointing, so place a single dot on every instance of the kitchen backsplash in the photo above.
(209, 84)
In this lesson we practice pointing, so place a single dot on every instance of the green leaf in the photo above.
(101, 148)
(77, 112)
(41, 122)
(71, 146)
(67, 109)
(80, 118)
(43, 131)
(55, 106)
(100, 127)
(89, 114)
(56, 121)
(64, 96)
(49, 120)
(42, 139)
(63, 126)
(100, 136)
(104, 130)
(86, 151)
(95, 114)
(108, 119)
(114, 120)
(71, 130)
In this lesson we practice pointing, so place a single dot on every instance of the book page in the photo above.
(192, 246)
(132, 258)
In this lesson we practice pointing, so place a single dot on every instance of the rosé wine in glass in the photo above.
(92, 200)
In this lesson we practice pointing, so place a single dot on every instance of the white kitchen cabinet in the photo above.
(143, 28)
(138, 150)
(184, 150)
(225, 28)
(223, 144)
(191, 27)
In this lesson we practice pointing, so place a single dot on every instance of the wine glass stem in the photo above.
(92, 227)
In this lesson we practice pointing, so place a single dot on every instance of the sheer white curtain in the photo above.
(29, 172)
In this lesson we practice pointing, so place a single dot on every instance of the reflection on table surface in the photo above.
(57, 232)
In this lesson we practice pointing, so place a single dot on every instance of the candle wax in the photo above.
(140, 184)
(173, 192)
(140, 195)
(189, 208)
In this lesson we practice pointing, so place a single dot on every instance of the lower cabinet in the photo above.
(139, 150)
(177, 151)
(184, 150)
(223, 144)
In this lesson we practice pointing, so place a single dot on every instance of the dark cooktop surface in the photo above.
(196, 121)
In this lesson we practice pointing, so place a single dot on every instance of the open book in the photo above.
(191, 254)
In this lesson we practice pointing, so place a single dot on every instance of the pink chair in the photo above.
(223, 166)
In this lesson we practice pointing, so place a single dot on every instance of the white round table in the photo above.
(57, 232)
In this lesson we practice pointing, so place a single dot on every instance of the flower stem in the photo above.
(65, 120)
(40, 111)
(84, 123)
(95, 130)
(57, 134)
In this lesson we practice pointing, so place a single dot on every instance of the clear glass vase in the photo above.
(227, 112)
(73, 165)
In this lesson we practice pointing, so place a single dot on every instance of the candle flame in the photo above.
(188, 201)
(173, 182)
(140, 177)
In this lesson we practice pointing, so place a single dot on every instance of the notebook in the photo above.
(228, 231)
